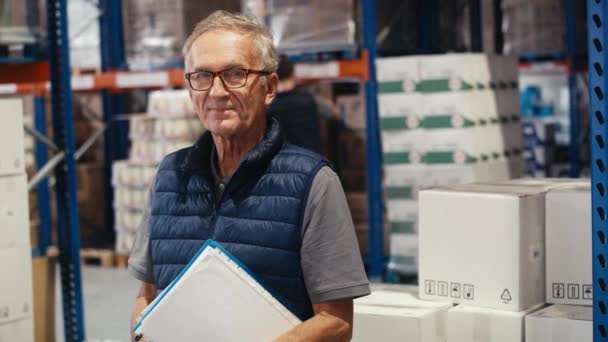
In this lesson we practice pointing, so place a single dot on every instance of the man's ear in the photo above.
(272, 83)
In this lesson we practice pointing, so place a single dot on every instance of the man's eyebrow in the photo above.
(228, 66)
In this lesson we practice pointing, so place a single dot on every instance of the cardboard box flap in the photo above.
(489, 189)
(570, 312)
(399, 299)
(392, 311)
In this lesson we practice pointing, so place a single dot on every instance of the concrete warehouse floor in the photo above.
(109, 294)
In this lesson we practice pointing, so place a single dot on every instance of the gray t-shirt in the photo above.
(330, 257)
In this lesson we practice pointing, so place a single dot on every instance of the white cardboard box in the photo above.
(392, 324)
(483, 245)
(404, 253)
(16, 286)
(12, 150)
(473, 324)
(568, 246)
(560, 323)
(14, 212)
(21, 330)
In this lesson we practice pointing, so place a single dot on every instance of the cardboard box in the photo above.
(467, 324)
(20, 330)
(398, 69)
(14, 212)
(483, 245)
(16, 289)
(90, 182)
(43, 278)
(12, 148)
(560, 323)
(358, 205)
(404, 253)
(362, 231)
(568, 227)
(388, 323)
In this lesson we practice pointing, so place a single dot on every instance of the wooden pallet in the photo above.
(121, 260)
(101, 257)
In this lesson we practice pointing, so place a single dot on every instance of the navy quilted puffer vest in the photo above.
(258, 219)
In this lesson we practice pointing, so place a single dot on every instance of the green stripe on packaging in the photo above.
(495, 155)
(446, 121)
(393, 123)
(402, 227)
(396, 158)
(441, 85)
(446, 157)
(390, 87)
(515, 118)
(399, 192)
(402, 260)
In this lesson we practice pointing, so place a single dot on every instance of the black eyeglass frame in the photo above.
(219, 74)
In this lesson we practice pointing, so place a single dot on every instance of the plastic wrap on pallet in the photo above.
(84, 28)
(127, 220)
(170, 103)
(155, 30)
(124, 242)
(533, 27)
(308, 25)
(22, 21)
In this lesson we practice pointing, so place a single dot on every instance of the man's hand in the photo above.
(333, 321)
(147, 293)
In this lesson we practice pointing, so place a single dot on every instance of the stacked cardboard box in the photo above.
(396, 313)
(16, 309)
(483, 246)
(445, 119)
(169, 125)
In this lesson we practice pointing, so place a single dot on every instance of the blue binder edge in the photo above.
(213, 244)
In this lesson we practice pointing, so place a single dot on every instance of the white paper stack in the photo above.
(169, 125)
(215, 298)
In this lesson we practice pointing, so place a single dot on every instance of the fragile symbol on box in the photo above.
(455, 287)
(506, 296)
(573, 291)
(469, 292)
(558, 290)
(443, 289)
(429, 287)
(587, 292)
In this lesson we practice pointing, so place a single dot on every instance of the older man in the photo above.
(278, 208)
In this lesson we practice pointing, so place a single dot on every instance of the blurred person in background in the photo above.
(298, 111)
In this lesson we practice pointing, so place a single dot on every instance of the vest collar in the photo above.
(251, 166)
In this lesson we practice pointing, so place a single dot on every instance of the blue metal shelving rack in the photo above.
(65, 172)
(597, 23)
(115, 138)
(374, 153)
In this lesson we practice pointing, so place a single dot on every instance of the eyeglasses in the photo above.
(231, 78)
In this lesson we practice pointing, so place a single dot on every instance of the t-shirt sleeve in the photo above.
(330, 256)
(140, 259)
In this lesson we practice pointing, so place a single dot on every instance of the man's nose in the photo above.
(217, 88)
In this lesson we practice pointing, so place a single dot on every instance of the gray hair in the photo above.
(242, 23)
